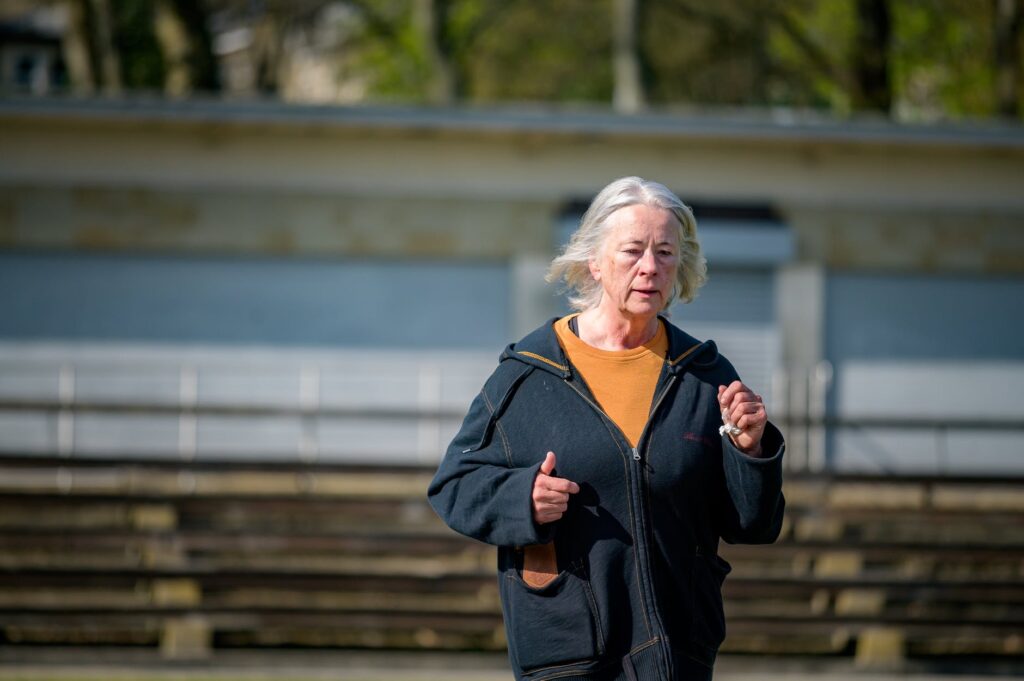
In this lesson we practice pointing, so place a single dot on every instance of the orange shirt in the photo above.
(623, 381)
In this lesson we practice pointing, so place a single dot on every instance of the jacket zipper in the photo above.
(641, 505)
(650, 416)
(645, 514)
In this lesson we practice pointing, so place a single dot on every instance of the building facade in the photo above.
(864, 276)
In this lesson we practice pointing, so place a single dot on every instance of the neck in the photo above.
(615, 331)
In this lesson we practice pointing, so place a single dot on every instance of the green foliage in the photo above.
(500, 50)
(811, 43)
(394, 64)
(797, 53)
(543, 52)
(942, 59)
(142, 64)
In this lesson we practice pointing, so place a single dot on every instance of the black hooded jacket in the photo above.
(638, 594)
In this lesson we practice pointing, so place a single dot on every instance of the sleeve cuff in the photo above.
(772, 447)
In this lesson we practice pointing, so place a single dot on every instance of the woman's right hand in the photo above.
(551, 493)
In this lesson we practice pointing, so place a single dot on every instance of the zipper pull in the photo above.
(636, 454)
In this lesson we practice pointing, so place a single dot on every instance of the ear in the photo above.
(595, 270)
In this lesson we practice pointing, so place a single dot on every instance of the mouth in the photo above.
(646, 292)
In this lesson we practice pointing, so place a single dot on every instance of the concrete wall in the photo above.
(330, 181)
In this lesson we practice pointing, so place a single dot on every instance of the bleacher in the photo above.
(190, 559)
(190, 550)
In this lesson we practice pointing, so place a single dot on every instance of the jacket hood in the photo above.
(541, 349)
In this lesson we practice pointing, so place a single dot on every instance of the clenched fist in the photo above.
(745, 410)
(550, 493)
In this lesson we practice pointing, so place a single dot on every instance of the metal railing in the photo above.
(422, 409)
(424, 415)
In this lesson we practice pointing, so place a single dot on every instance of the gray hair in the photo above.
(573, 265)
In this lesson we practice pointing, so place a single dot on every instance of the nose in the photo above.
(648, 262)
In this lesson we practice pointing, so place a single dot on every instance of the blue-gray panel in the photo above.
(920, 317)
(73, 296)
(744, 296)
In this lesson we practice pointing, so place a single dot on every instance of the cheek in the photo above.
(670, 275)
(625, 267)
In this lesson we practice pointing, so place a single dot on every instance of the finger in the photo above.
(553, 511)
(746, 408)
(548, 497)
(740, 401)
(545, 483)
(560, 490)
(559, 485)
(560, 509)
(746, 414)
(548, 517)
(549, 464)
(742, 394)
(543, 492)
(727, 393)
(738, 406)
(751, 422)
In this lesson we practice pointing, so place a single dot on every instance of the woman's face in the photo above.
(636, 267)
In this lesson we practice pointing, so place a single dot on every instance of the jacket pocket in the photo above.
(540, 565)
(555, 624)
(708, 627)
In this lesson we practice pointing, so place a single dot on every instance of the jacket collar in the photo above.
(540, 349)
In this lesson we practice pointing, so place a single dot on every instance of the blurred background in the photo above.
(257, 257)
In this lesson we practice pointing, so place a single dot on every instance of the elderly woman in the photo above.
(608, 454)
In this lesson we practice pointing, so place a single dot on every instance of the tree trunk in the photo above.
(871, 56)
(78, 52)
(629, 96)
(202, 62)
(109, 61)
(760, 57)
(430, 24)
(266, 51)
(180, 28)
(1008, 20)
(173, 40)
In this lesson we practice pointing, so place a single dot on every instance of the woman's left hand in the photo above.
(744, 409)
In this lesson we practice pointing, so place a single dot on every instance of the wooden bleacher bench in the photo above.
(194, 557)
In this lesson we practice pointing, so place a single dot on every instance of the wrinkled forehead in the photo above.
(641, 223)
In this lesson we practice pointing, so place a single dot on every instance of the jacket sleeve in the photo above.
(755, 504)
(476, 490)
(752, 506)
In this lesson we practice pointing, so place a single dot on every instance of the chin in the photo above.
(644, 310)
